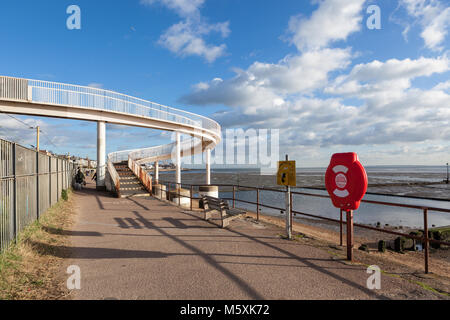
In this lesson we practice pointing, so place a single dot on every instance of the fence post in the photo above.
(234, 197)
(350, 235)
(340, 230)
(425, 236)
(257, 204)
(50, 181)
(57, 179)
(14, 191)
(168, 192)
(192, 194)
(179, 194)
(290, 212)
(37, 184)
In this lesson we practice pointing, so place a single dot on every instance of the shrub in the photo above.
(64, 195)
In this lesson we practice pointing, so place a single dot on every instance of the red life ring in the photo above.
(346, 181)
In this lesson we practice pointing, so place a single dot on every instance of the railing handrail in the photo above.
(114, 176)
(410, 206)
(425, 238)
(117, 99)
(116, 93)
(65, 94)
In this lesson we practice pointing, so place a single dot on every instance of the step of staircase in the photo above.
(134, 193)
(130, 186)
(126, 182)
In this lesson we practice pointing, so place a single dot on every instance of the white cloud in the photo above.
(317, 107)
(184, 8)
(386, 79)
(263, 84)
(187, 38)
(433, 16)
(395, 69)
(443, 86)
(334, 20)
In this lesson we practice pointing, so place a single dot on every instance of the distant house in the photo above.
(45, 152)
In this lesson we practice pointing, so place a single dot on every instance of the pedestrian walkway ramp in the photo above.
(59, 100)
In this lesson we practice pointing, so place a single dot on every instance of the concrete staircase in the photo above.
(130, 186)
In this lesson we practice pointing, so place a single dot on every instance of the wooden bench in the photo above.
(226, 213)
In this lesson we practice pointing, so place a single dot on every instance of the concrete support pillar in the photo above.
(101, 155)
(208, 166)
(211, 191)
(156, 168)
(178, 158)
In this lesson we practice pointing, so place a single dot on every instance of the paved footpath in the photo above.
(142, 248)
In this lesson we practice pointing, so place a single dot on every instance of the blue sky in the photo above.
(335, 85)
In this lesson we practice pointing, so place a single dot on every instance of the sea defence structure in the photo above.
(58, 100)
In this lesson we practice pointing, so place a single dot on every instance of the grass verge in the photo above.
(30, 269)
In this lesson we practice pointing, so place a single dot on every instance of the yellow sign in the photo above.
(286, 175)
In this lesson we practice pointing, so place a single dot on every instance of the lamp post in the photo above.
(37, 138)
(447, 175)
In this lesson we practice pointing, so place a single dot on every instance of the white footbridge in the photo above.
(58, 100)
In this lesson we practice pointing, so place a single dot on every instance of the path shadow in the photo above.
(247, 288)
(308, 263)
(130, 223)
(72, 233)
(95, 253)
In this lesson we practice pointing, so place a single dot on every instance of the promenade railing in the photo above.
(234, 200)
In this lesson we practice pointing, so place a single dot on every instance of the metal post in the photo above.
(168, 191)
(447, 175)
(57, 179)
(340, 231)
(425, 238)
(257, 204)
(350, 235)
(192, 195)
(37, 138)
(290, 213)
(234, 197)
(50, 181)
(37, 184)
(288, 209)
(179, 194)
(14, 191)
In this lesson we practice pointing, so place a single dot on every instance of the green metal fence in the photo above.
(30, 183)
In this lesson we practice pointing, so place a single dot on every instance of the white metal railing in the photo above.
(188, 147)
(13, 88)
(38, 91)
(114, 177)
(88, 97)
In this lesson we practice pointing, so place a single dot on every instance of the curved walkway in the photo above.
(142, 248)
(59, 100)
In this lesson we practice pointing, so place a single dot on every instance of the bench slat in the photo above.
(221, 206)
